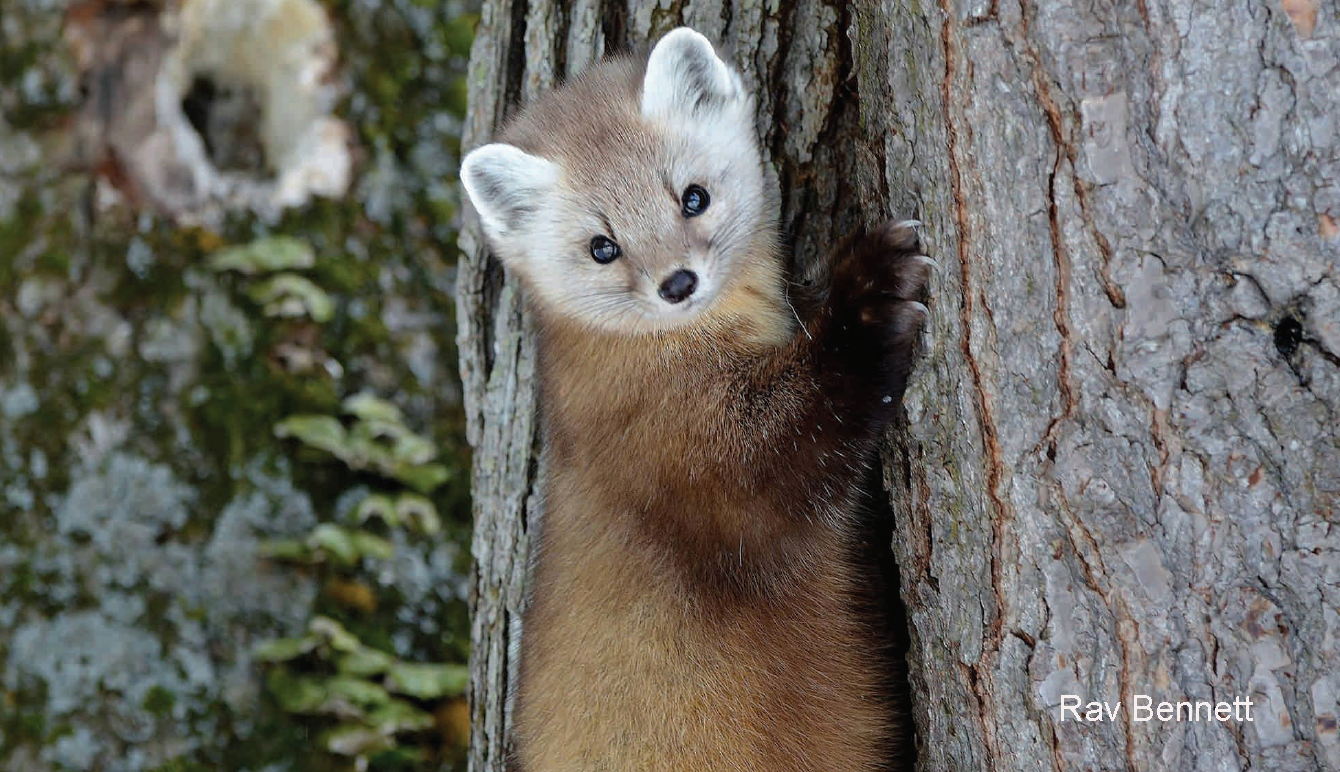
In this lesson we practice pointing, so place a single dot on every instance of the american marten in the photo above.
(695, 588)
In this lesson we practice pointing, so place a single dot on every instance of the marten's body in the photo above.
(695, 600)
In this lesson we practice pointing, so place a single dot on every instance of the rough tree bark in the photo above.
(1120, 473)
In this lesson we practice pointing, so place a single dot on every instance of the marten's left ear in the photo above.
(686, 78)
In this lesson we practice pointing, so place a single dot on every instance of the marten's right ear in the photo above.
(508, 186)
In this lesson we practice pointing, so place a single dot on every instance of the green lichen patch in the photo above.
(267, 255)
(408, 510)
(376, 701)
(377, 440)
(427, 681)
(293, 295)
(331, 543)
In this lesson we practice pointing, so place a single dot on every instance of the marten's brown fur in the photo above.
(695, 602)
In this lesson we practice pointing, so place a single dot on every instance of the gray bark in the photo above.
(1120, 474)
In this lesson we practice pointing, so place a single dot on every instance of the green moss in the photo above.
(21, 581)
(457, 35)
(22, 718)
(159, 702)
(158, 288)
(232, 411)
(179, 764)
(7, 352)
(48, 106)
(16, 233)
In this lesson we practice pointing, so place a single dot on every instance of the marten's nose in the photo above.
(679, 286)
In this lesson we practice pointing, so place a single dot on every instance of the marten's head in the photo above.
(632, 197)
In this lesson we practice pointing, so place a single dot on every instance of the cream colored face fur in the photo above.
(624, 179)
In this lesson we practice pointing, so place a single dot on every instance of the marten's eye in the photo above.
(604, 251)
(695, 200)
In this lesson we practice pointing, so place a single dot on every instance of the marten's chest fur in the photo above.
(694, 602)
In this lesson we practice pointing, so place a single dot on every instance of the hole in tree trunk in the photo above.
(199, 107)
(228, 119)
(1288, 334)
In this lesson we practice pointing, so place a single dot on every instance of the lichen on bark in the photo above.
(139, 474)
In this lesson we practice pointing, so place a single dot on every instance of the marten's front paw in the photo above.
(869, 324)
(880, 280)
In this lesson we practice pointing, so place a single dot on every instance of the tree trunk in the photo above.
(1120, 474)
